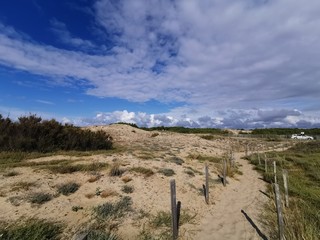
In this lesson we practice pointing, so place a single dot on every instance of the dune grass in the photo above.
(303, 164)
(31, 229)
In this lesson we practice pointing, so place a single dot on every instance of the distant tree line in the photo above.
(286, 131)
(178, 129)
(31, 133)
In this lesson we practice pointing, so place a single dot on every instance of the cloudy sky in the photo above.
(193, 63)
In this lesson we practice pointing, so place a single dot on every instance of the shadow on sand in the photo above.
(264, 237)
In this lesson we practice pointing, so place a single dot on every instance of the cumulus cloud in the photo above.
(250, 118)
(210, 55)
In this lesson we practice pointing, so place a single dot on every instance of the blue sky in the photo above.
(195, 63)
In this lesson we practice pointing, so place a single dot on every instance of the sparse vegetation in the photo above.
(147, 172)
(11, 174)
(303, 164)
(176, 160)
(115, 170)
(31, 229)
(68, 168)
(23, 186)
(108, 193)
(68, 188)
(127, 189)
(39, 197)
(109, 211)
(167, 172)
(76, 208)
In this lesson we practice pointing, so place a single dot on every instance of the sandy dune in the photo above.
(221, 219)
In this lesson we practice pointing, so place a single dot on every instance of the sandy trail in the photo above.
(236, 211)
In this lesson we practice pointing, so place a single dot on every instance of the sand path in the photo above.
(236, 211)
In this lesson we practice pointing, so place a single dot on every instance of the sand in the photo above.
(233, 211)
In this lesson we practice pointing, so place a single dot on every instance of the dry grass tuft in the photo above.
(126, 179)
(94, 178)
(89, 195)
(108, 193)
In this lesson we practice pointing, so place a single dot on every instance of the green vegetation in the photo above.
(176, 160)
(303, 164)
(286, 131)
(205, 158)
(39, 197)
(187, 130)
(147, 172)
(127, 189)
(66, 167)
(115, 170)
(68, 188)
(167, 172)
(32, 134)
(111, 211)
(159, 226)
(32, 229)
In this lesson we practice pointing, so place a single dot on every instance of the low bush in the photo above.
(167, 172)
(127, 189)
(109, 211)
(33, 229)
(68, 188)
(147, 172)
(39, 197)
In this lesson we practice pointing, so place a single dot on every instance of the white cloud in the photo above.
(211, 55)
(248, 118)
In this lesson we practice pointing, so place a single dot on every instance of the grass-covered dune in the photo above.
(302, 218)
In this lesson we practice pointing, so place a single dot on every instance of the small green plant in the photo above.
(98, 191)
(31, 229)
(76, 208)
(116, 210)
(167, 172)
(68, 188)
(40, 197)
(127, 189)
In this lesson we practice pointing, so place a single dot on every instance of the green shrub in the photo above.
(68, 188)
(115, 170)
(114, 210)
(176, 160)
(32, 229)
(101, 235)
(127, 189)
(167, 172)
(39, 198)
(11, 174)
(31, 134)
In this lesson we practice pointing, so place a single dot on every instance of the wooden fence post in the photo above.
(207, 184)
(279, 212)
(224, 172)
(247, 149)
(174, 212)
(275, 171)
(265, 164)
(285, 183)
(259, 159)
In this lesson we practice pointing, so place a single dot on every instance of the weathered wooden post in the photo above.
(224, 172)
(207, 183)
(285, 183)
(247, 149)
(275, 171)
(279, 212)
(265, 164)
(174, 212)
(259, 159)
